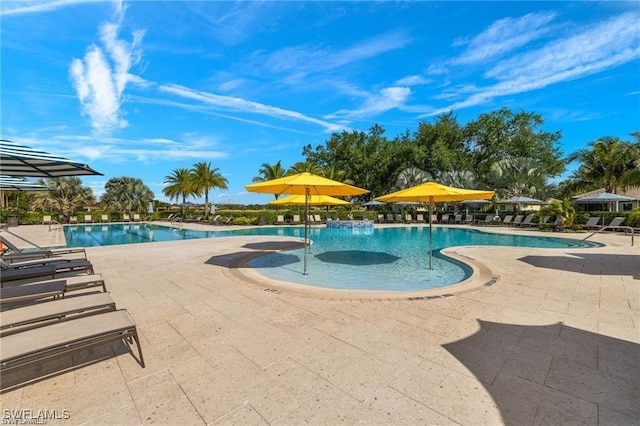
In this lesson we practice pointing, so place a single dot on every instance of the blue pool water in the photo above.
(392, 258)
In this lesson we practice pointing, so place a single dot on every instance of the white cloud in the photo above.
(603, 46)
(412, 80)
(229, 103)
(375, 104)
(101, 77)
(503, 36)
(23, 6)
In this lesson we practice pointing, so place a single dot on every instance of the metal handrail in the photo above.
(626, 228)
(52, 223)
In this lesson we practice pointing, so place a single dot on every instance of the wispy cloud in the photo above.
(593, 49)
(303, 60)
(503, 36)
(375, 104)
(102, 76)
(413, 80)
(234, 104)
(39, 6)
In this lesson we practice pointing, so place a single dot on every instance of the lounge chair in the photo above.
(72, 283)
(468, 219)
(46, 220)
(517, 220)
(420, 218)
(88, 218)
(592, 223)
(73, 220)
(527, 221)
(615, 223)
(15, 253)
(508, 220)
(104, 218)
(280, 220)
(544, 220)
(488, 220)
(136, 218)
(380, 218)
(39, 315)
(126, 218)
(390, 218)
(399, 218)
(408, 218)
(457, 218)
(296, 219)
(36, 346)
(444, 218)
(46, 271)
(434, 218)
(31, 293)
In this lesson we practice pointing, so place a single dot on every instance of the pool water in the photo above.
(387, 258)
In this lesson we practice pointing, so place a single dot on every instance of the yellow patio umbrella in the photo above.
(314, 200)
(306, 184)
(434, 192)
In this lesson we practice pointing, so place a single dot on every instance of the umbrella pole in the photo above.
(430, 234)
(306, 225)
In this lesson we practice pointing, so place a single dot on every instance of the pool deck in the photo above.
(552, 338)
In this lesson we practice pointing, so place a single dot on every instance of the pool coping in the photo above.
(240, 270)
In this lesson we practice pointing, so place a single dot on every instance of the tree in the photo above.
(607, 162)
(411, 177)
(204, 179)
(179, 185)
(269, 172)
(65, 195)
(564, 211)
(504, 134)
(459, 178)
(517, 176)
(127, 194)
(305, 167)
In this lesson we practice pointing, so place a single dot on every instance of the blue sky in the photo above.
(142, 88)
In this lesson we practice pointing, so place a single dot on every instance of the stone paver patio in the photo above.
(555, 340)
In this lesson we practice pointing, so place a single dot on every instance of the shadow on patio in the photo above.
(554, 374)
(590, 263)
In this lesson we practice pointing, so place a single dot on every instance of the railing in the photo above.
(626, 228)
(54, 225)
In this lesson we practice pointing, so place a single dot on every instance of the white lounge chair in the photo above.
(592, 223)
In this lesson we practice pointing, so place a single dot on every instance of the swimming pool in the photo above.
(385, 258)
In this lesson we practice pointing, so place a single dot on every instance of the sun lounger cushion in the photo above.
(31, 292)
(31, 272)
(42, 314)
(79, 282)
(33, 347)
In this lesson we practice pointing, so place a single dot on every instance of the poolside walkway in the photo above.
(555, 340)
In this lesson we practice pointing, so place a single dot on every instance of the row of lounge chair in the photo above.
(46, 220)
(52, 305)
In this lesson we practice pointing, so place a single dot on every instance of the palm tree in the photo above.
(459, 178)
(65, 195)
(517, 176)
(411, 177)
(334, 173)
(178, 185)
(269, 172)
(608, 162)
(564, 210)
(305, 167)
(203, 179)
(127, 194)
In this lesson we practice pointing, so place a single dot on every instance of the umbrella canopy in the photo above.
(314, 200)
(373, 203)
(521, 199)
(20, 160)
(476, 202)
(306, 184)
(434, 192)
(9, 183)
(602, 197)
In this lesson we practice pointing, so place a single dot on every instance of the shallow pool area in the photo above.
(380, 258)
